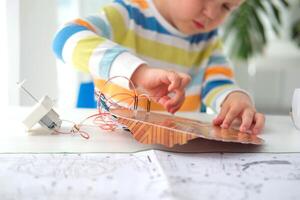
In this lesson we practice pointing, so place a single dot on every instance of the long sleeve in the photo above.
(87, 45)
(130, 33)
(218, 81)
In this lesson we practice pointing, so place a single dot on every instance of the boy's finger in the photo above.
(259, 123)
(247, 120)
(175, 109)
(185, 79)
(163, 100)
(220, 118)
(175, 81)
(230, 116)
(176, 99)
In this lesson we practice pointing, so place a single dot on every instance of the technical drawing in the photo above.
(150, 175)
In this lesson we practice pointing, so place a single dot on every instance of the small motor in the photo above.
(41, 113)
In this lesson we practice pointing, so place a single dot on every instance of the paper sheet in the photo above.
(150, 175)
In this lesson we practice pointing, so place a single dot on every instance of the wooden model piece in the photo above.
(167, 130)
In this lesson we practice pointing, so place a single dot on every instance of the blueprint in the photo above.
(150, 175)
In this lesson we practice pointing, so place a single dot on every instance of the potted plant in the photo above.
(246, 30)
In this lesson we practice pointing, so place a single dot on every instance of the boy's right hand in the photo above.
(159, 83)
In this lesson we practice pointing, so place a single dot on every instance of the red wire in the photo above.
(104, 119)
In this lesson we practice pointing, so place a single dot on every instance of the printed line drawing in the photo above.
(150, 175)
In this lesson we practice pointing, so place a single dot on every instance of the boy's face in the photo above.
(196, 16)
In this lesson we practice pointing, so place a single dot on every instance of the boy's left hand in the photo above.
(238, 106)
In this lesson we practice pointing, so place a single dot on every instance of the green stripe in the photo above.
(84, 50)
(215, 92)
(153, 49)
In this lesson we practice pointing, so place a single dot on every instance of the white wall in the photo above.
(31, 27)
(13, 35)
(91, 6)
(3, 54)
(272, 77)
(32, 24)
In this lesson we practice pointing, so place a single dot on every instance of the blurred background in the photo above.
(262, 39)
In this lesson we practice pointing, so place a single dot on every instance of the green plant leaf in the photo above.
(295, 35)
(285, 3)
(276, 13)
(245, 30)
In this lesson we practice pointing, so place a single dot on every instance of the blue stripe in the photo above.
(195, 39)
(152, 24)
(149, 23)
(213, 84)
(62, 37)
(217, 60)
(108, 58)
(100, 24)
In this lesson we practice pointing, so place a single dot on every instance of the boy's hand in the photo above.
(160, 83)
(238, 106)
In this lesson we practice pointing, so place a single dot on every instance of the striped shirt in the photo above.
(128, 33)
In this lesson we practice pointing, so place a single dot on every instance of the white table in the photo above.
(279, 135)
(114, 166)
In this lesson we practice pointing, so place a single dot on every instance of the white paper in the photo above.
(150, 175)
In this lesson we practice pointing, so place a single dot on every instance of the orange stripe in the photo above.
(85, 24)
(191, 103)
(141, 3)
(218, 70)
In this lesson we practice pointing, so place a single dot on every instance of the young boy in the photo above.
(170, 49)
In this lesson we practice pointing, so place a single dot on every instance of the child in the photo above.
(170, 49)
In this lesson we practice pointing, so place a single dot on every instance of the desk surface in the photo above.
(149, 174)
(279, 135)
